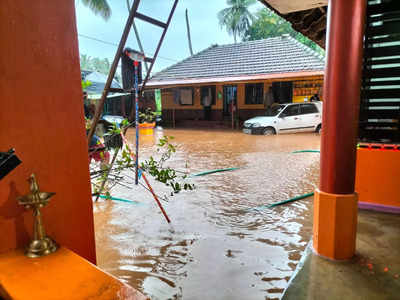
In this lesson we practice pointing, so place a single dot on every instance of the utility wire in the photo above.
(116, 45)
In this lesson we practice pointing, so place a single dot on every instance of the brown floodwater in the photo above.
(218, 246)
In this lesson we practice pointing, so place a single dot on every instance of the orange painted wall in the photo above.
(41, 116)
(168, 101)
(377, 176)
(167, 98)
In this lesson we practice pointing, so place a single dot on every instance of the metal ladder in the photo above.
(107, 87)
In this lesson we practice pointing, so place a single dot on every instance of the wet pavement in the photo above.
(374, 272)
(217, 246)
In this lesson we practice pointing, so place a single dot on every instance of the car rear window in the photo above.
(308, 108)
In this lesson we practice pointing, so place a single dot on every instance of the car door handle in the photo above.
(297, 118)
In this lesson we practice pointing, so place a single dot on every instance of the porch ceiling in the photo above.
(289, 6)
(306, 16)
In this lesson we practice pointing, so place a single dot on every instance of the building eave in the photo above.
(216, 80)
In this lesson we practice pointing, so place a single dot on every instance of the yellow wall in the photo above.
(305, 89)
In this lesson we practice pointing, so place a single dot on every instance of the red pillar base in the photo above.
(335, 225)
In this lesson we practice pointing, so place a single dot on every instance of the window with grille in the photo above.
(254, 93)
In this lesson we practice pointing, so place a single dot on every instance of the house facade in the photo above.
(238, 81)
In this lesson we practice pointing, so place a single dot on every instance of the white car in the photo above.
(291, 117)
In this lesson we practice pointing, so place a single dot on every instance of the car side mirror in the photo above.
(282, 116)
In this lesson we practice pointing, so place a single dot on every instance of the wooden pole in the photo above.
(188, 33)
(237, 113)
(233, 124)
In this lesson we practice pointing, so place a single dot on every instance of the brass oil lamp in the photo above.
(41, 244)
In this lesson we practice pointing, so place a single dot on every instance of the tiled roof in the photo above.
(97, 81)
(273, 55)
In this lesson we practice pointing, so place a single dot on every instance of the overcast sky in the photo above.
(203, 20)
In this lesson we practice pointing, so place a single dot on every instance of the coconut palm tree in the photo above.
(99, 7)
(86, 62)
(236, 18)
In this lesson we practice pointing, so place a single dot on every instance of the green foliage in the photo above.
(101, 65)
(99, 7)
(268, 24)
(125, 123)
(114, 130)
(166, 175)
(148, 116)
(306, 41)
(85, 84)
(85, 61)
(126, 161)
(156, 168)
(236, 18)
(95, 64)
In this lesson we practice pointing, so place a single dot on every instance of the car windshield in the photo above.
(273, 111)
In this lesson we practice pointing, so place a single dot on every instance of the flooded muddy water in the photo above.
(217, 246)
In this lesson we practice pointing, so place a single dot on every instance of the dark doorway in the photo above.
(282, 91)
(207, 99)
(230, 96)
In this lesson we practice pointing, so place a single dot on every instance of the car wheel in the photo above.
(319, 128)
(269, 131)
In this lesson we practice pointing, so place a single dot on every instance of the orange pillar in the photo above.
(41, 116)
(335, 209)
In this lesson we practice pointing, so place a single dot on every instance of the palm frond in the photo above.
(236, 18)
(99, 7)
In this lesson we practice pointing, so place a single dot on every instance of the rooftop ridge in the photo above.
(255, 41)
